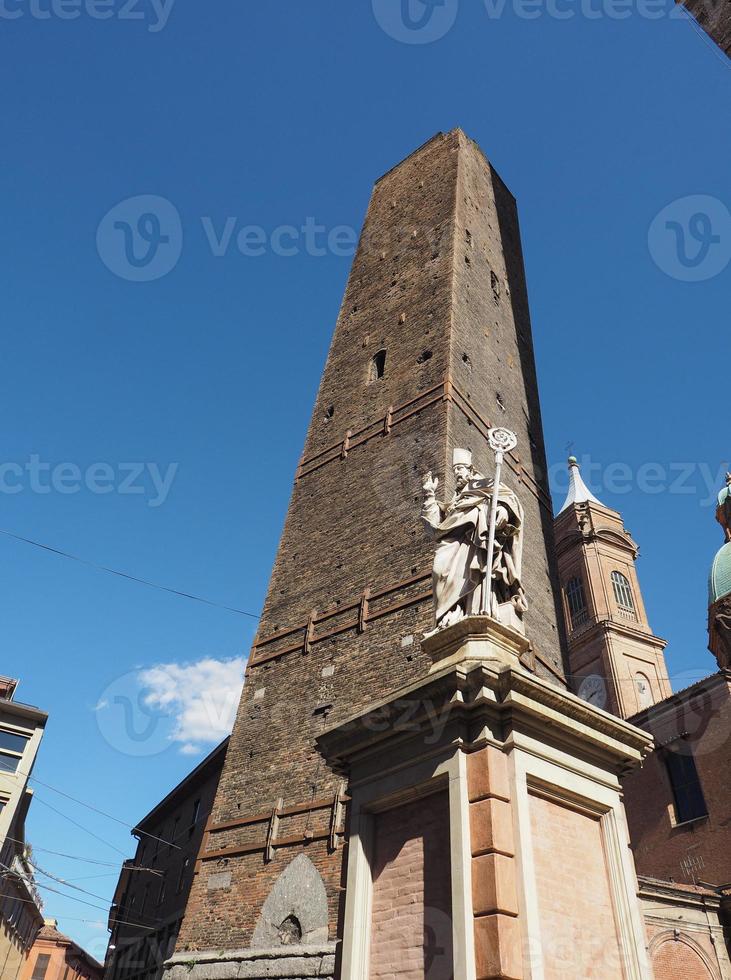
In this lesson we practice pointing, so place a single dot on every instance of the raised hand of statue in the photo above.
(430, 484)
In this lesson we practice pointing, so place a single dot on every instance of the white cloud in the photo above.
(200, 698)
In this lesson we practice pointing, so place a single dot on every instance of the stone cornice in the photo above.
(507, 697)
(581, 637)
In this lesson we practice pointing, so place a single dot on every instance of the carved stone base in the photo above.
(480, 639)
(719, 630)
(280, 963)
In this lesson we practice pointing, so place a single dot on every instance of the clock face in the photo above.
(593, 690)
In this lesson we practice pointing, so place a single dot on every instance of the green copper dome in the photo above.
(719, 583)
(723, 496)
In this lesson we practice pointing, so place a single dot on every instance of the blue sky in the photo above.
(270, 115)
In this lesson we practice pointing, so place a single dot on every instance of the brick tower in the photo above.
(431, 348)
(616, 661)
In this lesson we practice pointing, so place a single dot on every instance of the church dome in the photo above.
(719, 584)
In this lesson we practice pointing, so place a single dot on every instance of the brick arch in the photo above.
(678, 957)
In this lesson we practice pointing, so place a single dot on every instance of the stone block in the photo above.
(498, 948)
(493, 885)
(487, 775)
(218, 882)
(491, 827)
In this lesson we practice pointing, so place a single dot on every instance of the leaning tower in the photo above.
(393, 806)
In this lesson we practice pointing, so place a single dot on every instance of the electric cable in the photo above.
(130, 578)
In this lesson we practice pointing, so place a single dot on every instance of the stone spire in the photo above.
(579, 493)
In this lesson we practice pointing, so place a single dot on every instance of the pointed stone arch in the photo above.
(295, 912)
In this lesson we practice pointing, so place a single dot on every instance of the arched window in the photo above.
(623, 592)
(377, 367)
(644, 691)
(576, 600)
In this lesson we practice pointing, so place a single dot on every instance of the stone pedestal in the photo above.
(542, 879)
(478, 639)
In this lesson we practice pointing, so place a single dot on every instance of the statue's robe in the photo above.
(461, 530)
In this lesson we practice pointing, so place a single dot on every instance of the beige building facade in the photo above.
(21, 731)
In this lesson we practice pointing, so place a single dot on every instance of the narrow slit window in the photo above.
(378, 366)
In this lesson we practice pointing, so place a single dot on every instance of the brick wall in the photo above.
(699, 850)
(411, 936)
(678, 961)
(578, 931)
(353, 521)
(714, 16)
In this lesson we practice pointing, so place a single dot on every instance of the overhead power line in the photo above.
(86, 830)
(26, 901)
(62, 881)
(71, 857)
(88, 806)
(125, 575)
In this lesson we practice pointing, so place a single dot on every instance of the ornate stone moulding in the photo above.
(477, 689)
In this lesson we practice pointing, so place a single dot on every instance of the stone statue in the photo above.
(719, 610)
(462, 529)
(723, 511)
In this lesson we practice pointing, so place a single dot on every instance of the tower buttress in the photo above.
(615, 660)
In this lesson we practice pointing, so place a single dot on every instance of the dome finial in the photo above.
(579, 493)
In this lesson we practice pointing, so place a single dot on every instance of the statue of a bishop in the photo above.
(461, 529)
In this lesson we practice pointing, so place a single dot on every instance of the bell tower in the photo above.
(615, 660)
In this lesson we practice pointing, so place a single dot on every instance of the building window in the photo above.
(183, 874)
(576, 600)
(377, 367)
(686, 785)
(196, 814)
(12, 741)
(39, 970)
(623, 592)
(12, 747)
(161, 893)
